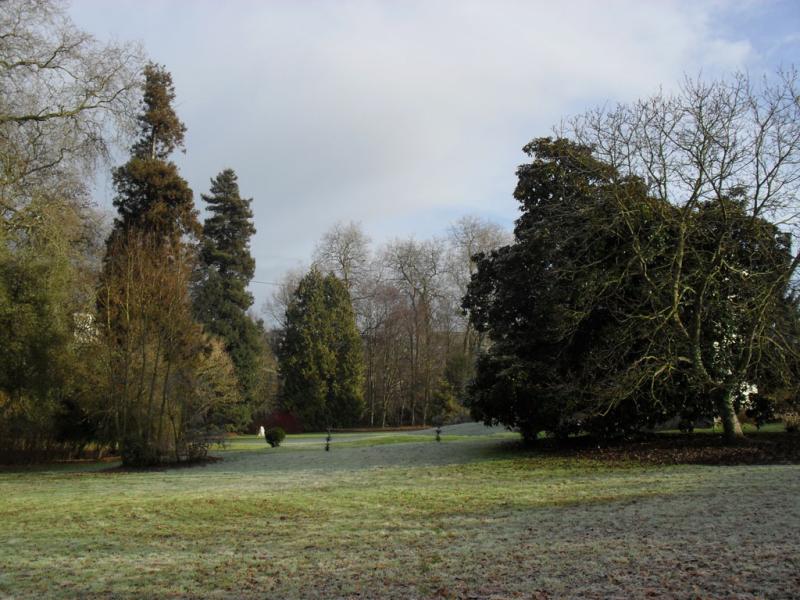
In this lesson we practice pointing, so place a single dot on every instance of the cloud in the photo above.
(398, 112)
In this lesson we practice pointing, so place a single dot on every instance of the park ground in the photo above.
(397, 515)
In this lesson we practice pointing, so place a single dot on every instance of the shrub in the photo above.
(791, 422)
(760, 411)
(274, 436)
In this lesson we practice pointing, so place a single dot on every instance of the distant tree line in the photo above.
(416, 349)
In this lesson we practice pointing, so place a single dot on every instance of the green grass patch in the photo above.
(387, 515)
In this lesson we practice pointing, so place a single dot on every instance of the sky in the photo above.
(406, 115)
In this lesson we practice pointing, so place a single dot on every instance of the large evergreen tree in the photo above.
(581, 308)
(221, 299)
(320, 355)
(153, 342)
(151, 194)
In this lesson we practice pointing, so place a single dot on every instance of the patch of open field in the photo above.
(397, 515)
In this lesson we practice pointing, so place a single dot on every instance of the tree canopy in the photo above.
(162, 398)
(586, 330)
(151, 194)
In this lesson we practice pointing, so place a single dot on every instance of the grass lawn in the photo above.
(398, 515)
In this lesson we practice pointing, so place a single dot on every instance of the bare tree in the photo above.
(64, 98)
(416, 268)
(275, 306)
(469, 237)
(344, 251)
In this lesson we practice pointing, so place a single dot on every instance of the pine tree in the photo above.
(320, 355)
(226, 268)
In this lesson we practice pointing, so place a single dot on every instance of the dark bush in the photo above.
(136, 453)
(274, 436)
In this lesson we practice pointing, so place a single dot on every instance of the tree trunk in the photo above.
(730, 422)
(371, 382)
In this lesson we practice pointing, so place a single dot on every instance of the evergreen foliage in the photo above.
(161, 131)
(573, 307)
(226, 238)
(320, 355)
(221, 298)
(169, 386)
(151, 194)
(274, 436)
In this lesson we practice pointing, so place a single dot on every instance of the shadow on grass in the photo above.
(756, 448)
(352, 456)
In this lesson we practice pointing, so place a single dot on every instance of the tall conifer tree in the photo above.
(153, 341)
(151, 195)
(226, 268)
(320, 355)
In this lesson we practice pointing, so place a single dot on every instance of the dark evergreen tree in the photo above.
(582, 312)
(345, 401)
(221, 298)
(320, 356)
(225, 249)
(549, 301)
(151, 194)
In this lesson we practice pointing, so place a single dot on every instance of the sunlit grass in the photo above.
(351, 440)
(388, 515)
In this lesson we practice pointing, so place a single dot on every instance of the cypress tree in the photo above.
(345, 401)
(320, 355)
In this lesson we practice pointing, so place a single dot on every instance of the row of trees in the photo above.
(183, 355)
(141, 343)
(651, 274)
(652, 277)
(416, 348)
(63, 99)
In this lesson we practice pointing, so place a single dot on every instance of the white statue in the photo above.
(261, 431)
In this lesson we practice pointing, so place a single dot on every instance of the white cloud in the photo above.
(398, 110)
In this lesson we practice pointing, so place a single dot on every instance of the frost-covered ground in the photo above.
(401, 516)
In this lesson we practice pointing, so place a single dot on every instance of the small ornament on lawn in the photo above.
(261, 432)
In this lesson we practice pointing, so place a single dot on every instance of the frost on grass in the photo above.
(467, 519)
